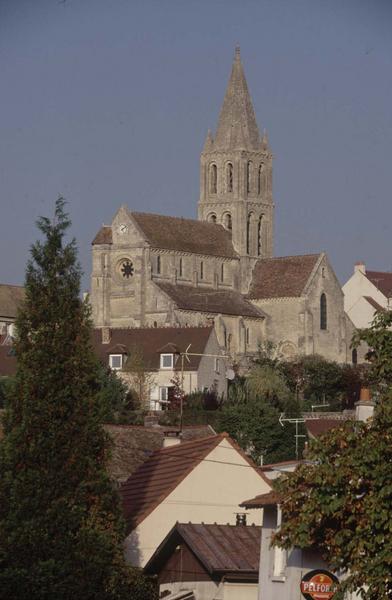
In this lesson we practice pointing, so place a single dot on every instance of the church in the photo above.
(151, 270)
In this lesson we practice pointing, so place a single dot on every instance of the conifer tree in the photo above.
(61, 529)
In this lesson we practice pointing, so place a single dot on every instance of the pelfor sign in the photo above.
(319, 585)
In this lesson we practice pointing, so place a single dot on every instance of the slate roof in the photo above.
(149, 341)
(233, 549)
(185, 235)
(268, 499)
(104, 236)
(163, 472)
(208, 300)
(382, 280)
(282, 277)
(11, 297)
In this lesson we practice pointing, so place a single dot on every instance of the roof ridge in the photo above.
(15, 285)
(177, 447)
(149, 214)
(291, 256)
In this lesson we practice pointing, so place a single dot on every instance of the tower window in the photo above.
(158, 264)
(180, 267)
(249, 177)
(323, 311)
(248, 234)
(259, 179)
(229, 175)
(213, 179)
(222, 271)
(201, 270)
(259, 238)
(227, 221)
(211, 218)
(247, 335)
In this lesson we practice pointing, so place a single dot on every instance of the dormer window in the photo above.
(167, 361)
(116, 362)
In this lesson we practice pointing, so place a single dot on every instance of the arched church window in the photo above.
(222, 272)
(158, 264)
(323, 311)
(229, 177)
(249, 176)
(180, 267)
(227, 222)
(201, 270)
(248, 222)
(211, 218)
(213, 178)
(354, 356)
(260, 179)
(259, 236)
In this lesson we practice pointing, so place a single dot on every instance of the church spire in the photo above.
(237, 126)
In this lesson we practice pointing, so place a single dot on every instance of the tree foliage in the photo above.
(342, 502)
(61, 528)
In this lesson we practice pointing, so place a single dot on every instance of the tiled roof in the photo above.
(104, 236)
(316, 427)
(233, 549)
(282, 277)
(207, 300)
(382, 280)
(149, 340)
(7, 358)
(268, 499)
(159, 476)
(132, 446)
(11, 297)
(185, 235)
(377, 307)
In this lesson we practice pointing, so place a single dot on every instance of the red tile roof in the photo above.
(150, 340)
(163, 472)
(209, 300)
(269, 499)
(282, 277)
(316, 427)
(185, 235)
(382, 280)
(233, 549)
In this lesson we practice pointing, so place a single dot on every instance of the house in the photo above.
(202, 480)
(155, 270)
(160, 357)
(11, 297)
(7, 356)
(281, 571)
(205, 562)
(366, 293)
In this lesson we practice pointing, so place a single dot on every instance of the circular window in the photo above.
(126, 268)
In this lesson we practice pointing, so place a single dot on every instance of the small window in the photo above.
(201, 270)
(180, 267)
(259, 180)
(249, 177)
(222, 271)
(158, 264)
(213, 179)
(167, 361)
(323, 312)
(259, 236)
(247, 335)
(227, 222)
(229, 175)
(217, 365)
(116, 361)
(163, 394)
(323, 272)
(212, 218)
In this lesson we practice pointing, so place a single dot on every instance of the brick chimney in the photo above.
(364, 408)
(360, 266)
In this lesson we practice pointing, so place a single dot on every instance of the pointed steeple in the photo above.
(209, 143)
(265, 141)
(237, 126)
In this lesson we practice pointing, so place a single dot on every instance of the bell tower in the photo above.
(236, 172)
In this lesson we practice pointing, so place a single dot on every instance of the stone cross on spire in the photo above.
(237, 126)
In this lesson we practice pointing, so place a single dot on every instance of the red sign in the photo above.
(319, 585)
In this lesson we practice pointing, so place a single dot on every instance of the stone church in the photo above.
(154, 270)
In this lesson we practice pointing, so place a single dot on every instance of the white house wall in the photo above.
(211, 493)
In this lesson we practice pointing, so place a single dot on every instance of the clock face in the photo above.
(122, 228)
(126, 269)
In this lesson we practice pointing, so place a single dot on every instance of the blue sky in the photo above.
(108, 102)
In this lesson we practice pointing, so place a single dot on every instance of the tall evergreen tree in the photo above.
(61, 530)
